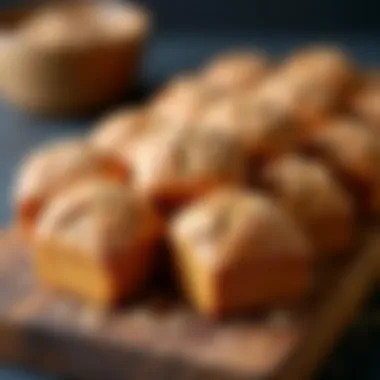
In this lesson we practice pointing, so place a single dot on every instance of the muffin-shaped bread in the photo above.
(58, 24)
(262, 124)
(119, 130)
(236, 251)
(179, 103)
(353, 151)
(365, 104)
(313, 197)
(234, 72)
(97, 241)
(57, 165)
(177, 166)
(73, 56)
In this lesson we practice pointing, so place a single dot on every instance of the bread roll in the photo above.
(96, 240)
(117, 131)
(315, 199)
(233, 72)
(262, 123)
(365, 104)
(78, 23)
(176, 167)
(353, 151)
(329, 66)
(57, 165)
(178, 104)
(322, 79)
(236, 251)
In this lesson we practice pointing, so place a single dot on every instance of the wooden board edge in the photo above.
(129, 363)
(332, 321)
(350, 294)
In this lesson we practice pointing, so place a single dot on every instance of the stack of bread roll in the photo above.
(254, 172)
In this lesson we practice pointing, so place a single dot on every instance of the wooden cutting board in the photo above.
(158, 338)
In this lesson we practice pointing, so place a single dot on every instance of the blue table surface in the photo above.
(357, 354)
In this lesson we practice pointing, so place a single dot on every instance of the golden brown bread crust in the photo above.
(52, 167)
(323, 79)
(116, 131)
(328, 65)
(263, 123)
(310, 193)
(233, 72)
(353, 152)
(235, 251)
(177, 166)
(365, 103)
(74, 57)
(96, 239)
(79, 23)
(179, 103)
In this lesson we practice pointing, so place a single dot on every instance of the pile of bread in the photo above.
(252, 172)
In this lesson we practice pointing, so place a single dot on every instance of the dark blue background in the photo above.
(187, 33)
(252, 15)
(248, 15)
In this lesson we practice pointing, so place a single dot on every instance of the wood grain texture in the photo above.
(158, 338)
